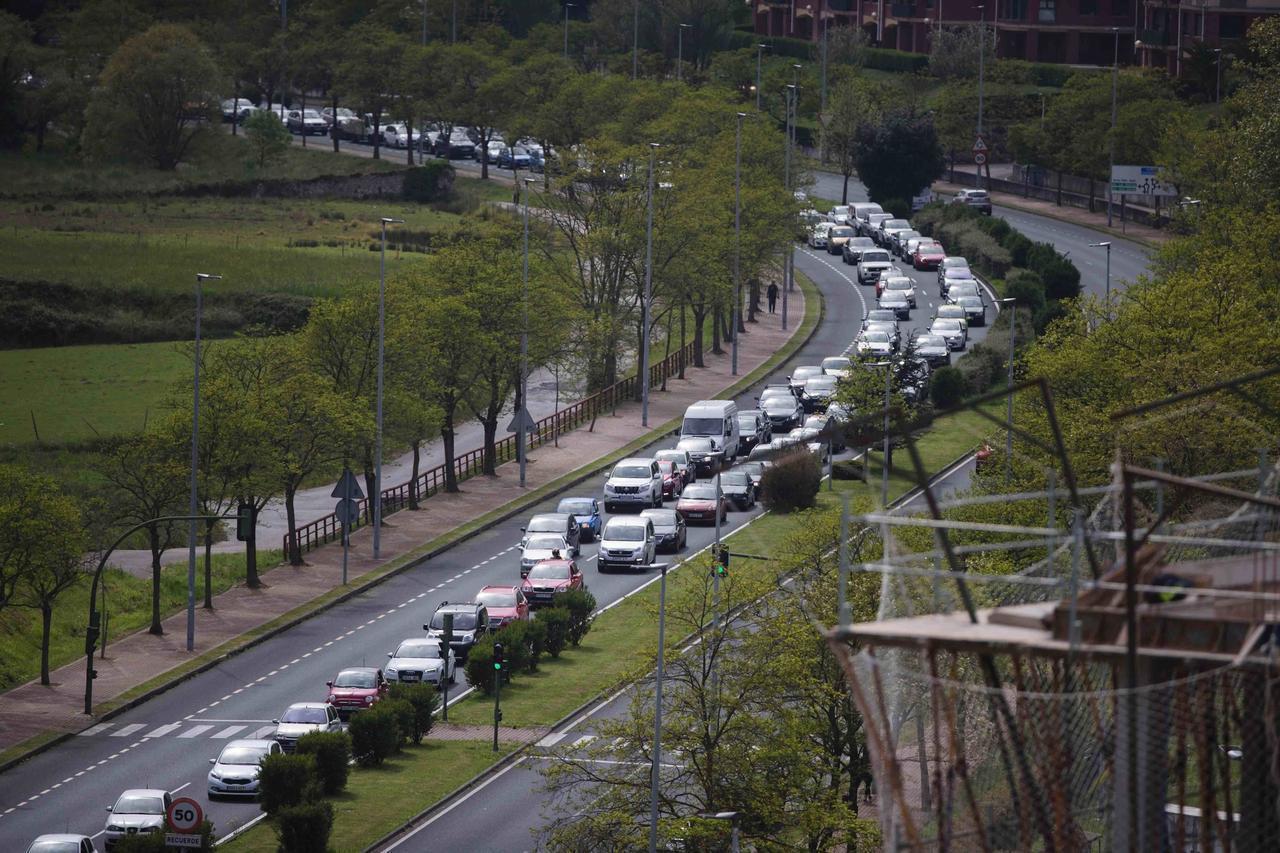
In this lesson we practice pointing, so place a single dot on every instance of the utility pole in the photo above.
(786, 258)
(1115, 73)
(680, 50)
(567, 6)
(759, 52)
(657, 713)
(826, 26)
(635, 39)
(648, 294)
(201, 278)
(498, 665)
(1107, 245)
(376, 497)
(982, 53)
(424, 23)
(1008, 435)
(737, 238)
(522, 450)
(453, 33)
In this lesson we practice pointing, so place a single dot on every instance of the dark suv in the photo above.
(470, 623)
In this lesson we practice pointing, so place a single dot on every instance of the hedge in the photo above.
(304, 828)
(423, 699)
(287, 780)
(580, 604)
(792, 482)
(332, 753)
(884, 59)
(556, 623)
(778, 45)
(375, 735)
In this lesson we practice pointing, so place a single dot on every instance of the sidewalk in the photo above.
(32, 709)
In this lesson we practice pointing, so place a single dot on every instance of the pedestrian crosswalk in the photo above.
(185, 730)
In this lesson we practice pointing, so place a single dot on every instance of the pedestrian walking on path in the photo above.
(773, 295)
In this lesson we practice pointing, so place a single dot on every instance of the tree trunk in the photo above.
(153, 537)
(408, 142)
(753, 299)
(208, 565)
(377, 134)
(1058, 200)
(251, 579)
(715, 332)
(370, 487)
(413, 476)
(450, 475)
(295, 547)
(46, 622)
(336, 128)
(484, 155)
(844, 192)
(302, 131)
(952, 152)
(699, 320)
(684, 308)
(491, 444)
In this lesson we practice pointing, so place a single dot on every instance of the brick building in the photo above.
(1076, 32)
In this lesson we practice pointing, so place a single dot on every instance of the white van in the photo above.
(627, 541)
(860, 214)
(716, 420)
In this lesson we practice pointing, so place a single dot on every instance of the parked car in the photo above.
(782, 409)
(818, 235)
(851, 252)
(302, 718)
(704, 455)
(136, 811)
(634, 482)
(493, 149)
(237, 109)
(587, 513)
(872, 263)
(699, 503)
(927, 255)
(974, 198)
(350, 125)
(668, 526)
(506, 604)
(470, 623)
(356, 688)
(672, 479)
(738, 489)
(515, 158)
(235, 770)
(688, 471)
(456, 146)
(307, 123)
(836, 238)
(62, 842)
(397, 136)
(420, 660)
(561, 524)
(754, 428)
(552, 578)
(542, 546)
(628, 542)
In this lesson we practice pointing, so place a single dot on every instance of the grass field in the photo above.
(77, 393)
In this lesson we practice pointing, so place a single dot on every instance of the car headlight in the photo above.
(368, 700)
(608, 489)
(111, 827)
(391, 673)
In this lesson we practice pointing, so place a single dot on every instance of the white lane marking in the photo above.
(161, 731)
(180, 787)
(583, 741)
(96, 730)
(227, 732)
(550, 740)
(237, 690)
(66, 780)
(225, 698)
(259, 734)
(295, 660)
(195, 731)
(129, 729)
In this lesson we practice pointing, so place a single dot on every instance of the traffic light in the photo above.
(497, 656)
(244, 522)
(720, 560)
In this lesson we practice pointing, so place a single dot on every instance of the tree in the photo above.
(147, 476)
(17, 59)
(473, 89)
(954, 51)
(157, 94)
(370, 70)
(849, 108)
(39, 526)
(268, 138)
(898, 158)
(60, 564)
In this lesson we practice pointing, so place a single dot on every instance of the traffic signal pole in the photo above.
(497, 691)
(446, 647)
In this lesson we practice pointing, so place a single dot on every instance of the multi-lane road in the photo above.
(167, 741)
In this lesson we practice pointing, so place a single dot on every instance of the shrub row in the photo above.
(791, 482)
(524, 642)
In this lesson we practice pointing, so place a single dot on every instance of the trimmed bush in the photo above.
(1061, 279)
(848, 469)
(1027, 288)
(946, 387)
(580, 604)
(375, 735)
(515, 648)
(982, 366)
(287, 780)
(424, 699)
(304, 828)
(885, 59)
(480, 665)
(153, 842)
(555, 621)
(792, 482)
(430, 182)
(535, 635)
(403, 713)
(332, 752)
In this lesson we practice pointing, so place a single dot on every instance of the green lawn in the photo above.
(377, 800)
(77, 393)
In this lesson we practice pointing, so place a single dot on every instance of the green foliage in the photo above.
(535, 636)
(954, 51)
(429, 183)
(947, 387)
(1027, 287)
(982, 366)
(268, 138)
(898, 157)
(332, 753)
(778, 45)
(375, 734)
(581, 604)
(480, 672)
(515, 646)
(884, 59)
(304, 828)
(424, 699)
(555, 622)
(1046, 74)
(287, 780)
(791, 483)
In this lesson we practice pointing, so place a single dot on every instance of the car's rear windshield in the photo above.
(419, 649)
(900, 284)
(355, 678)
(930, 341)
(577, 507)
(139, 805)
(304, 715)
(545, 525)
(841, 231)
(661, 517)
(242, 755)
(497, 598)
(625, 532)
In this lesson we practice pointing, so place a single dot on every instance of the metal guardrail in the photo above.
(1065, 198)
(328, 529)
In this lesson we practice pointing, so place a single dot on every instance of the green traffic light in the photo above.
(497, 665)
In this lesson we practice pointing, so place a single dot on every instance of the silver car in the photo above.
(974, 308)
(302, 718)
(419, 660)
(235, 770)
(138, 810)
(952, 331)
(904, 284)
(542, 546)
(61, 842)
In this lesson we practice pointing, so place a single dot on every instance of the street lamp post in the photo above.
(1106, 244)
(648, 294)
(680, 50)
(826, 25)
(376, 497)
(201, 278)
(521, 450)
(732, 817)
(635, 39)
(1115, 74)
(424, 23)
(759, 52)
(982, 54)
(567, 7)
(1008, 435)
(737, 237)
(787, 259)
(657, 712)
(1217, 88)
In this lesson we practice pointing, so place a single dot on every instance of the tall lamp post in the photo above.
(635, 39)
(1115, 74)
(737, 237)
(657, 712)
(424, 23)
(1008, 433)
(759, 53)
(521, 421)
(376, 497)
(884, 466)
(201, 278)
(787, 259)
(982, 53)
(1106, 244)
(1217, 87)
(680, 50)
(567, 7)
(648, 294)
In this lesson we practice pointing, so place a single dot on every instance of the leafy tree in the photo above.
(899, 157)
(268, 137)
(954, 51)
(154, 95)
(17, 58)
(473, 88)
(369, 71)
(849, 108)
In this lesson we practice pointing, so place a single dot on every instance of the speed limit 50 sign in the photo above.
(184, 815)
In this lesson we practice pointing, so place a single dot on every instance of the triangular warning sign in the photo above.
(522, 422)
(980, 144)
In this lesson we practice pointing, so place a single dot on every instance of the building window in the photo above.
(1013, 10)
(1048, 11)
(1121, 8)
(1231, 26)
(1088, 7)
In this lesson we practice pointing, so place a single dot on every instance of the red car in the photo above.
(355, 689)
(928, 256)
(672, 478)
(550, 578)
(698, 503)
(505, 604)
(982, 457)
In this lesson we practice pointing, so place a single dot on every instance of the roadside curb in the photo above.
(515, 507)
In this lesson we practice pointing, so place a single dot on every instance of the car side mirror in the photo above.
(328, 684)
(211, 761)
(109, 808)
(390, 654)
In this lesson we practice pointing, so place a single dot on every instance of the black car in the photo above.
(755, 470)
(853, 248)
(470, 623)
(754, 428)
(818, 392)
(738, 489)
(706, 459)
(668, 527)
(783, 410)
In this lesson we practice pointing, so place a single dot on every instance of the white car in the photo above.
(903, 284)
(62, 843)
(303, 718)
(871, 226)
(235, 770)
(873, 262)
(543, 546)
(627, 541)
(138, 810)
(634, 482)
(836, 365)
(494, 148)
(419, 660)
(873, 343)
(307, 122)
(237, 109)
(840, 214)
(818, 235)
(397, 136)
